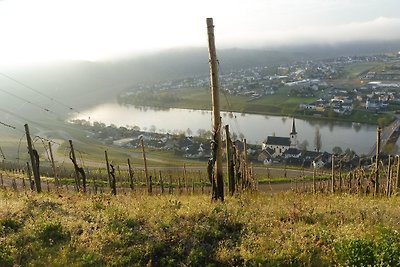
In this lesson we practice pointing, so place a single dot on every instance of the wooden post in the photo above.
(53, 165)
(29, 172)
(378, 148)
(185, 178)
(313, 180)
(108, 169)
(113, 181)
(145, 167)
(34, 161)
(73, 158)
(179, 185)
(215, 110)
(398, 174)
(245, 166)
(230, 169)
(333, 175)
(389, 178)
(340, 177)
(170, 189)
(161, 183)
(150, 190)
(130, 174)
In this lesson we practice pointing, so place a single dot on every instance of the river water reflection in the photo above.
(255, 128)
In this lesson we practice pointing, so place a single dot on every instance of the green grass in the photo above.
(200, 98)
(249, 230)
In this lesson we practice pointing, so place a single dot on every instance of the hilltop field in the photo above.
(285, 229)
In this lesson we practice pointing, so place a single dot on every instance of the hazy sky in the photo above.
(40, 30)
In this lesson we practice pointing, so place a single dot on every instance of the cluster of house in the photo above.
(285, 149)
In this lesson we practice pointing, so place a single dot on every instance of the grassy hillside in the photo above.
(250, 230)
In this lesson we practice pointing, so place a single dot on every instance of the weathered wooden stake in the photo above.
(170, 189)
(113, 180)
(34, 160)
(378, 149)
(145, 167)
(53, 165)
(150, 190)
(108, 168)
(161, 183)
(130, 174)
(389, 178)
(29, 173)
(398, 174)
(333, 175)
(185, 178)
(340, 177)
(230, 168)
(73, 158)
(313, 179)
(219, 194)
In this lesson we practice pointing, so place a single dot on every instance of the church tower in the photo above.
(293, 136)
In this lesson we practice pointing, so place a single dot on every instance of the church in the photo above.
(282, 146)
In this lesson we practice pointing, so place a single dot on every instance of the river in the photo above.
(255, 128)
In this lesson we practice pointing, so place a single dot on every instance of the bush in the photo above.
(51, 233)
(384, 250)
(356, 253)
(8, 225)
(5, 258)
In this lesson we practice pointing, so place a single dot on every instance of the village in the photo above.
(275, 150)
(375, 92)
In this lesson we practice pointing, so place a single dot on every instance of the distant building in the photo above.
(277, 146)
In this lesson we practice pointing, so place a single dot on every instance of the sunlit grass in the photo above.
(190, 230)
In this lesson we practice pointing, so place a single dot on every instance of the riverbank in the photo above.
(279, 104)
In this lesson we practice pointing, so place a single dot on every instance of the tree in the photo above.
(337, 150)
(303, 146)
(317, 139)
(153, 129)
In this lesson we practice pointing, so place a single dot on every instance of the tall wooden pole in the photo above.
(148, 183)
(130, 174)
(34, 162)
(77, 183)
(108, 168)
(397, 175)
(53, 165)
(246, 167)
(333, 175)
(378, 148)
(230, 170)
(215, 110)
(389, 177)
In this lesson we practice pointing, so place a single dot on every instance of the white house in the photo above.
(278, 145)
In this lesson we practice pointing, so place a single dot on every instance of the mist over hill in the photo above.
(81, 84)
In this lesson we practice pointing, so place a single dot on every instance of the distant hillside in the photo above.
(81, 84)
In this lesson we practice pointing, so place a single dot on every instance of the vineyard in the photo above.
(117, 215)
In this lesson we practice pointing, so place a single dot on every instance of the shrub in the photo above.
(9, 225)
(357, 252)
(5, 258)
(51, 233)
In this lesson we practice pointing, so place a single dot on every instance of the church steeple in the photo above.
(293, 128)
(293, 135)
